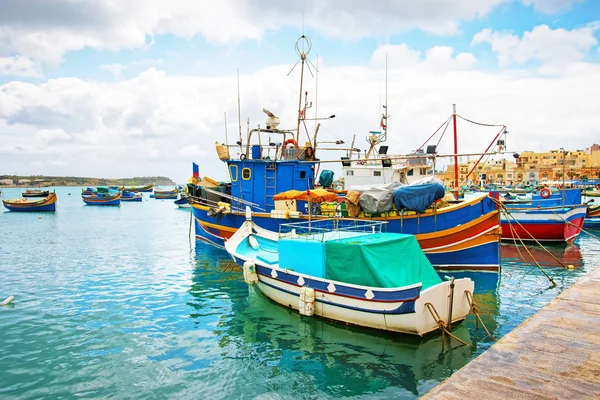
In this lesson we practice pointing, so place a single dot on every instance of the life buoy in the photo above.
(290, 141)
(545, 193)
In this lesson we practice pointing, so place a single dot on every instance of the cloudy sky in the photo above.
(119, 88)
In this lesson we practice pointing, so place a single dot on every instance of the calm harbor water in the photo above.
(118, 302)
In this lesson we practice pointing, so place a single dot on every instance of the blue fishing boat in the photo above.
(458, 235)
(182, 202)
(131, 196)
(89, 191)
(102, 199)
(591, 223)
(349, 271)
(48, 203)
(548, 217)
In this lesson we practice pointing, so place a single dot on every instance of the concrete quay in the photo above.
(555, 354)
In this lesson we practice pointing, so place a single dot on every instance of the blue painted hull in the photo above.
(47, 207)
(591, 223)
(445, 238)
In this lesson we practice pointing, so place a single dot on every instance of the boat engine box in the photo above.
(286, 205)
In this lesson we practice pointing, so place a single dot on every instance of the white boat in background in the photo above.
(349, 271)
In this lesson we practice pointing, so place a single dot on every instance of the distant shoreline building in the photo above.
(530, 168)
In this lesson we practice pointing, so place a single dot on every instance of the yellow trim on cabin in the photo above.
(249, 174)
(231, 173)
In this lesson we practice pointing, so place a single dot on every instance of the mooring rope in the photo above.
(570, 223)
(441, 325)
(514, 234)
(475, 310)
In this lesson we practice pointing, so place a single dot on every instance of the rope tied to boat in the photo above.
(508, 215)
(440, 322)
(582, 229)
(475, 310)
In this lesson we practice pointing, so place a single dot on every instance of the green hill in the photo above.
(39, 180)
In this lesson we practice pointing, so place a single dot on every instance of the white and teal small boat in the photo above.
(349, 271)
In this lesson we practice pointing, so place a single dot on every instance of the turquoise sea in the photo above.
(119, 302)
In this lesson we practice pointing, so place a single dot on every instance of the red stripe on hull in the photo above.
(553, 232)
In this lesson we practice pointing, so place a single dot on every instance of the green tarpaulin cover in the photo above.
(385, 260)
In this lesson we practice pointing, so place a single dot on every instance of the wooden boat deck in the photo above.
(555, 354)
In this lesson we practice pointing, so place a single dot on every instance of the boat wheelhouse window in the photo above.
(233, 173)
(302, 174)
(246, 174)
(423, 171)
(376, 173)
(410, 172)
(350, 173)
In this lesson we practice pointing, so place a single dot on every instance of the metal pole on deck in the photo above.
(563, 176)
(455, 152)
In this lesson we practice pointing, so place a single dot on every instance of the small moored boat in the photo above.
(165, 194)
(591, 223)
(130, 196)
(32, 192)
(545, 218)
(102, 199)
(593, 211)
(48, 203)
(137, 189)
(183, 202)
(349, 271)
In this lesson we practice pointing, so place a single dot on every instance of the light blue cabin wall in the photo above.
(303, 256)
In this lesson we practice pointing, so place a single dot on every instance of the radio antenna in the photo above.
(239, 112)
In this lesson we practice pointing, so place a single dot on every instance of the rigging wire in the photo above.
(436, 131)
(477, 123)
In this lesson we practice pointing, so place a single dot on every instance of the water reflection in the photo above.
(553, 256)
(311, 355)
(280, 353)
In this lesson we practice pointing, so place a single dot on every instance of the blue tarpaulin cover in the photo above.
(418, 197)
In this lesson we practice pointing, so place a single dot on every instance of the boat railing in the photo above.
(328, 229)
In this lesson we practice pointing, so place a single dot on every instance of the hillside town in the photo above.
(529, 168)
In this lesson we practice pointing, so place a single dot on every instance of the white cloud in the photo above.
(19, 66)
(156, 124)
(115, 69)
(44, 31)
(554, 48)
(437, 58)
(550, 6)
(53, 136)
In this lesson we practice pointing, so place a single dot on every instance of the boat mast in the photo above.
(375, 139)
(455, 152)
(302, 55)
(239, 112)
(385, 128)
(562, 150)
